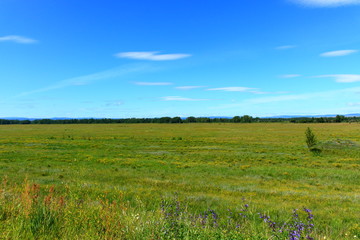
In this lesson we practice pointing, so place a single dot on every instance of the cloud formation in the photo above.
(354, 104)
(261, 92)
(338, 53)
(188, 87)
(152, 56)
(114, 103)
(232, 89)
(285, 47)
(293, 97)
(87, 79)
(326, 3)
(17, 39)
(342, 78)
(177, 98)
(152, 83)
(290, 75)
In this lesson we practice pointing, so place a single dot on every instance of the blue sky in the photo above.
(141, 58)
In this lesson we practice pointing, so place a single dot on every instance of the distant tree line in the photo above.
(236, 119)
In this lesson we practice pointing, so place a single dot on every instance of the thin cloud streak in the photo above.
(293, 97)
(290, 75)
(87, 79)
(152, 56)
(153, 83)
(232, 89)
(338, 53)
(260, 92)
(352, 104)
(342, 78)
(17, 39)
(184, 99)
(285, 47)
(188, 87)
(114, 103)
(326, 3)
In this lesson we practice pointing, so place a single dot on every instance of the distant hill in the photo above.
(315, 116)
(31, 119)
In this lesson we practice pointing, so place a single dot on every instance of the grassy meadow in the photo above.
(179, 181)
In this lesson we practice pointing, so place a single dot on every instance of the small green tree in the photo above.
(312, 142)
(310, 138)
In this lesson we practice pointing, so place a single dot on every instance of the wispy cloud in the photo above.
(177, 98)
(243, 89)
(188, 87)
(304, 96)
(153, 83)
(285, 47)
(17, 39)
(87, 79)
(114, 103)
(338, 53)
(290, 75)
(261, 92)
(326, 3)
(354, 104)
(152, 56)
(293, 97)
(280, 98)
(232, 89)
(342, 78)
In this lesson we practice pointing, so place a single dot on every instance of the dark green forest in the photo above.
(236, 119)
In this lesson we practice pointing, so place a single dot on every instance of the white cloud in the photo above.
(294, 97)
(114, 103)
(285, 47)
(87, 79)
(153, 83)
(188, 87)
(280, 98)
(243, 89)
(343, 78)
(177, 98)
(338, 53)
(152, 56)
(290, 75)
(354, 104)
(260, 92)
(326, 3)
(17, 39)
(232, 89)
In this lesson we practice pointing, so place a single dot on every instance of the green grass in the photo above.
(203, 166)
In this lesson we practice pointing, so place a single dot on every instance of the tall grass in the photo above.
(30, 211)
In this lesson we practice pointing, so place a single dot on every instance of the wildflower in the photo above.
(310, 215)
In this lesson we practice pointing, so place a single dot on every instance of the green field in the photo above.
(158, 181)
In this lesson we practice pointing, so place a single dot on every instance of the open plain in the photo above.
(179, 181)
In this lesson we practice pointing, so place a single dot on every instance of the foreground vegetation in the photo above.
(197, 181)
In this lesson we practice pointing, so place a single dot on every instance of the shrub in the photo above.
(310, 138)
(311, 142)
